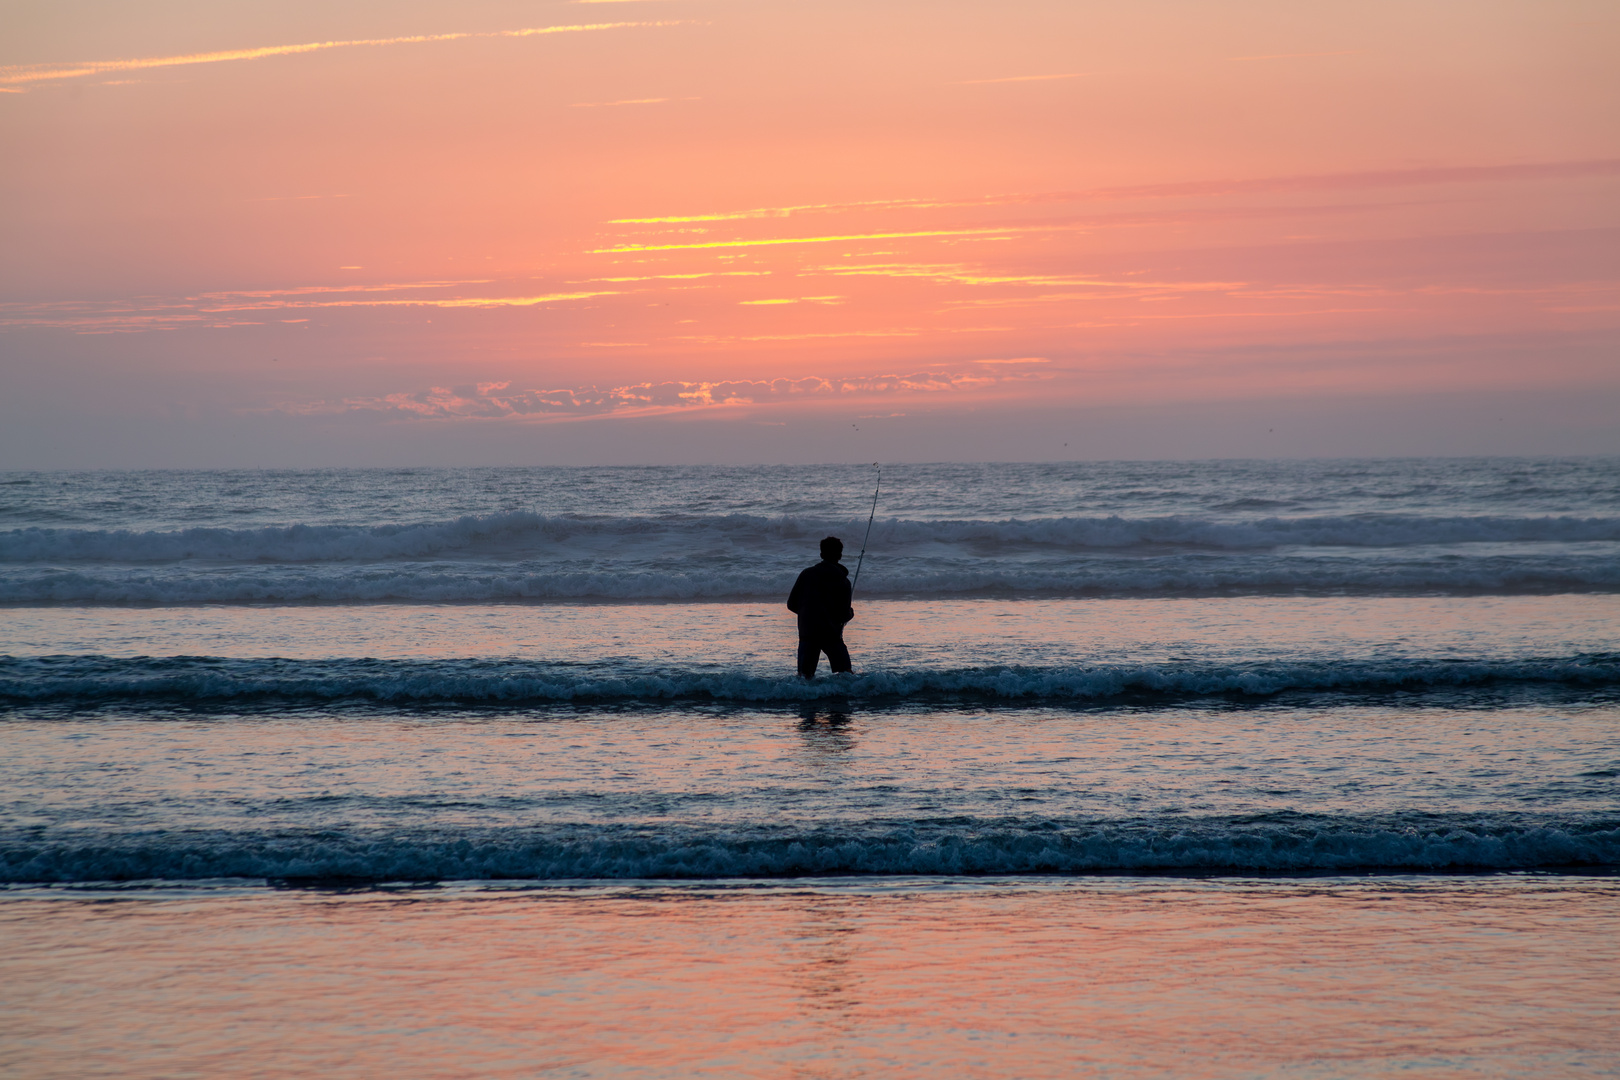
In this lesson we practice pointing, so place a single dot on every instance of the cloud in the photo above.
(787, 211)
(29, 74)
(1004, 230)
(1136, 318)
(274, 299)
(505, 301)
(717, 339)
(316, 290)
(1455, 174)
(688, 277)
(943, 273)
(1110, 290)
(204, 309)
(957, 274)
(498, 401)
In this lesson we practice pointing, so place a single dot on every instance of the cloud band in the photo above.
(25, 75)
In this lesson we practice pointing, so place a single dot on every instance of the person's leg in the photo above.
(837, 652)
(809, 655)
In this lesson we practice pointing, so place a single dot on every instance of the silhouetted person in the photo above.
(820, 598)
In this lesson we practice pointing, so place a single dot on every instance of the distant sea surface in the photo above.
(1453, 527)
(1327, 753)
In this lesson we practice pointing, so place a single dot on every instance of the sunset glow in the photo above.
(495, 216)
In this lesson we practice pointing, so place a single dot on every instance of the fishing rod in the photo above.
(868, 535)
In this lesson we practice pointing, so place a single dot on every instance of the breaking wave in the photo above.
(1277, 843)
(519, 535)
(515, 558)
(451, 583)
(92, 681)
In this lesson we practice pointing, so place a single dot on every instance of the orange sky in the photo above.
(651, 230)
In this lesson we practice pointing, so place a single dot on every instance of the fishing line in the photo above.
(868, 535)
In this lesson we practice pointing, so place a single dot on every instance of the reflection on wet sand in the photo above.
(823, 970)
(1487, 976)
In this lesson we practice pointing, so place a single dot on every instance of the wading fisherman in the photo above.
(820, 598)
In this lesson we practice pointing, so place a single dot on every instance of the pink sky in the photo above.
(688, 230)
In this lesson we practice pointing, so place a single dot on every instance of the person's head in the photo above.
(832, 549)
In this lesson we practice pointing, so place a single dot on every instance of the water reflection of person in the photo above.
(821, 600)
(826, 732)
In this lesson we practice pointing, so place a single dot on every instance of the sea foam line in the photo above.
(1229, 574)
(189, 681)
(517, 535)
(1280, 843)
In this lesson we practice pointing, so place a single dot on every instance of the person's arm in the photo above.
(849, 602)
(796, 598)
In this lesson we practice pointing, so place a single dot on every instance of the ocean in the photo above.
(1146, 769)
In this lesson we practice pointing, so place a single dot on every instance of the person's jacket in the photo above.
(820, 598)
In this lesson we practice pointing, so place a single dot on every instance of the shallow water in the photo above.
(704, 793)
(1329, 977)
(886, 635)
(1184, 769)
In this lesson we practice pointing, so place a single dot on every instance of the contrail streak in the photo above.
(34, 73)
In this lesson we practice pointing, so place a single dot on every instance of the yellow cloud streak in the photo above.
(958, 275)
(307, 290)
(717, 338)
(775, 241)
(688, 277)
(785, 211)
(961, 275)
(507, 301)
(460, 302)
(32, 73)
(1135, 318)
(1145, 293)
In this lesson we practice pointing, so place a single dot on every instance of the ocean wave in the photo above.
(524, 535)
(1184, 576)
(92, 681)
(1276, 843)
